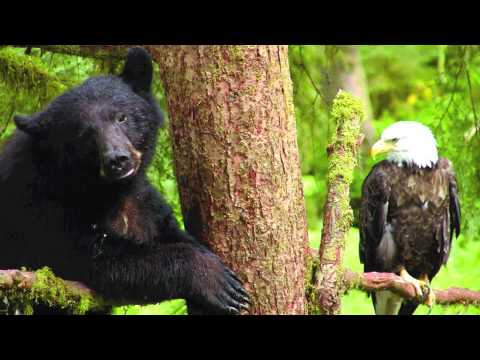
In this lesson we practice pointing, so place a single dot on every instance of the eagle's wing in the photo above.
(373, 212)
(454, 211)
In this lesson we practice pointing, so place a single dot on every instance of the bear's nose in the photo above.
(118, 166)
(119, 163)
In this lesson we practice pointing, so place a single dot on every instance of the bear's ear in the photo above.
(138, 70)
(33, 125)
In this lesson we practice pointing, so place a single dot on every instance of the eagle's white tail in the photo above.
(387, 303)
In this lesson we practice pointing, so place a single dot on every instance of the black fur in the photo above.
(68, 200)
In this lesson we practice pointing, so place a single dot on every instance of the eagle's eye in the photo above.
(121, 118)
(394, 140)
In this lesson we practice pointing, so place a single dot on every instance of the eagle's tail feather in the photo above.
(387, 303)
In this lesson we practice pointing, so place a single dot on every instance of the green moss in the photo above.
(28, 73)
(311, 273)
(49, 290)
(27, 309)
(237, 54)
(82, 306)
(345, 108)
(348, 114)
(347, 111)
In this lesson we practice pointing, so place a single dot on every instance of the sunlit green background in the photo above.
(436, 85)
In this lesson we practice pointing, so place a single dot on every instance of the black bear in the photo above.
(74, 196)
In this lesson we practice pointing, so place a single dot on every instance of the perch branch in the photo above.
(374, 281)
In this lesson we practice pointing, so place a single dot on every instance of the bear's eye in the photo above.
(121, 118)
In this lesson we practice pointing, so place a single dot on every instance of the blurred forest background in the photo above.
(437, 85)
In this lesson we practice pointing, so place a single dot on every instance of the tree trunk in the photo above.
(237, 164)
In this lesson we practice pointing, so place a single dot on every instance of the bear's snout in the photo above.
(119, 166)
(119, 158)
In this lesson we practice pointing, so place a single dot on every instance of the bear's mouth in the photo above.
(110, 177)
(127, 175)
(120, 164)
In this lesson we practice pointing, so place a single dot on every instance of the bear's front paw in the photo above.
(217, 289)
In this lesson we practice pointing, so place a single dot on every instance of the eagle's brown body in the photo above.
(407, 219)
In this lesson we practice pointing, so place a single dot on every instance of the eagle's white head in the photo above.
(408, 142)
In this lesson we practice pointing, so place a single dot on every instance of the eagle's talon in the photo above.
(430, 298)
(417, 284)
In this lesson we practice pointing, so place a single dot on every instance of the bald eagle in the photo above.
(408, 213)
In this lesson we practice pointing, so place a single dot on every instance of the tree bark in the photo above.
(337, 216)
(237, 164)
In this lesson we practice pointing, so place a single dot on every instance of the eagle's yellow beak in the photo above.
(381, 147)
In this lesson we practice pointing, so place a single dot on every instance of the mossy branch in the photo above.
(102, 52)
(347, 112)
(23, 72)
(24, 289)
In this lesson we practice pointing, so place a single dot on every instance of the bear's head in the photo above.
(107, 126)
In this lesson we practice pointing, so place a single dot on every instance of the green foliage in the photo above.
(29, 82)
(314, 126)
(172, 307)
(395, 73)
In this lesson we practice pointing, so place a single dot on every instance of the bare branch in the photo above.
(374, 281)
